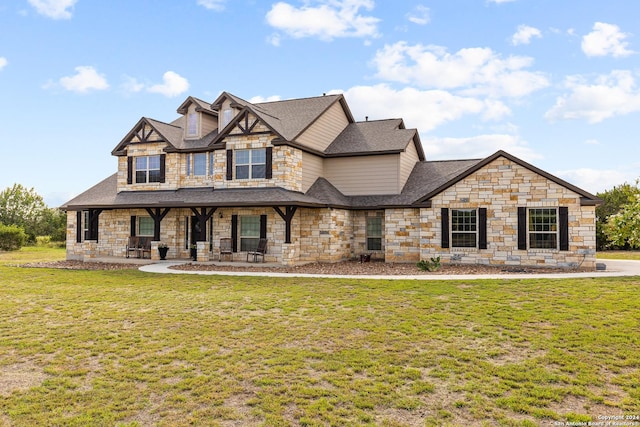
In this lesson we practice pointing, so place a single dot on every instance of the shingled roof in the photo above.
(377, 136)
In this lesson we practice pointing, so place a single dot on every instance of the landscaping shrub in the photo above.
(12, 237)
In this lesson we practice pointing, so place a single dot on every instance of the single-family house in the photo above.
(321, 186)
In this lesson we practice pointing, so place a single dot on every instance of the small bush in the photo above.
(43, 240)
(432, 265)
(12, 237)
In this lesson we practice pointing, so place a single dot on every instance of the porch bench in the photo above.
(139, 246)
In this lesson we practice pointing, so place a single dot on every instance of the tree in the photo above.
(614, 201)
(623, 228)
(26, 209)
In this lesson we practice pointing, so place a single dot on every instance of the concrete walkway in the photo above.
(615, 268)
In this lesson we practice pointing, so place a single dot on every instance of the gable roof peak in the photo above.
(201, 106)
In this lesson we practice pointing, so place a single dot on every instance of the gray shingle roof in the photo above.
(104, 195)
(371, 137)
(291, 117)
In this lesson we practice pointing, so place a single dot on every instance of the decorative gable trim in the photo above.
(143, 132)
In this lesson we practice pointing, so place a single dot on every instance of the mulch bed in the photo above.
(372, 268)
(338, 268)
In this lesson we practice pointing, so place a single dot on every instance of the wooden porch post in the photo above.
(157, 216)
(287, 216)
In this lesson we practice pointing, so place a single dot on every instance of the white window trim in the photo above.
(147, 170)
(250, 164)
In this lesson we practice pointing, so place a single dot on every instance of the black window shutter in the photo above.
(269, 163)
(163, 169)
(133, 225)
(263, 226)
(229, 165)
(129, 170)
(444, 228)
(522, 228)
(234, 232)
(564, 228)
(79, 227)
(482, 228)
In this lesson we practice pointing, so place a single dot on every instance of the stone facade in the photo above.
(502, 187)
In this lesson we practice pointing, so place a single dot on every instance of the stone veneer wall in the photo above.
(326, 235)
(402, 235)
(502, 187)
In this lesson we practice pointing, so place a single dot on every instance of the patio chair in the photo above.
(132, 246)
(260, 251)
(226, 248)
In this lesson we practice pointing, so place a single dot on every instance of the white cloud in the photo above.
(500, 1)
(592, 141)
(524, 35)
(608, 96)
(85, 80)
(419, 15)
(172, 85)
(212, 4)
(422, 109)
(472, 71)
(131, 85)
(598, 180)
(329, 20)
(55, 9)
(477, 147)
(606, 39)
(258, 99)
(3, 62)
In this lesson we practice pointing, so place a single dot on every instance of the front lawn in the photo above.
(632, 255)
(130, 348)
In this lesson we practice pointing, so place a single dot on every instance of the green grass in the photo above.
(633, 255)
(129, 348)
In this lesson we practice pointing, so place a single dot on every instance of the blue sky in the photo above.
(552, 82)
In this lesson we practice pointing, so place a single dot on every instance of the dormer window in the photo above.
(227, 115)
(192, 124)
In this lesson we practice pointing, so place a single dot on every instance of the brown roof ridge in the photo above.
(337, 95)
(161, 122)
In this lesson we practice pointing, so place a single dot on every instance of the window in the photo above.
(463, 228)
(543, 228)
(227, 115)
(374, 233)
(200, 164)
(85, 225)
(147, 169)
(192, 124)
(249, 232)
(145, 226)
(251, 164)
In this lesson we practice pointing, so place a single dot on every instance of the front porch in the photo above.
(294, 236)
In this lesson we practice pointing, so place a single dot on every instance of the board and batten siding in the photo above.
(312, 169)
(325, 129)
(364, 175)
(408, 160)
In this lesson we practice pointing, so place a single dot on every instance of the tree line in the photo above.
(24, 217)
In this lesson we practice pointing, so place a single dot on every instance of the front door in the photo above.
(196, 229)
